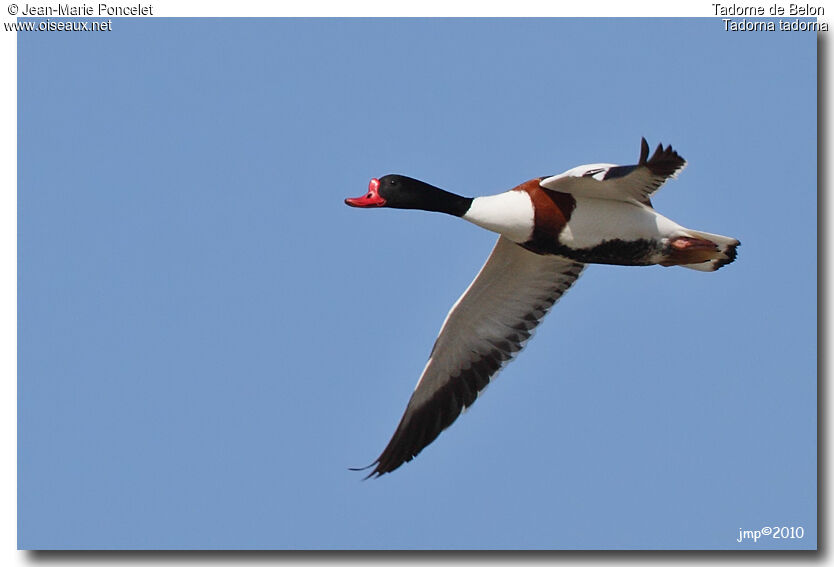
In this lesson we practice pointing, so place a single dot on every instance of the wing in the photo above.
(486, 327)
(621, 182)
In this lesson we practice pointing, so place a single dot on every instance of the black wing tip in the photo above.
(402, 448)
(376, 473)
(644, 151)
(665, 162)
(381, 468)
(419, 429)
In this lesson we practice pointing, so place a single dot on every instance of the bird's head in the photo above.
(397, 192)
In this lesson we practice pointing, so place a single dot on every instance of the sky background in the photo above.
(209, 337)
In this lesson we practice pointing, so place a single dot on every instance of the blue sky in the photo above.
(209, 337)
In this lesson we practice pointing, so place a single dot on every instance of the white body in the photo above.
(592, 221)
(596, 220)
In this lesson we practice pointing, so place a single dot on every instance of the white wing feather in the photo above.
(484, 330)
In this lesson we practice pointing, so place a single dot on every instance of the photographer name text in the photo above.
(30, 10)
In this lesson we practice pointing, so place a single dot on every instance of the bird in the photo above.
(549, 229)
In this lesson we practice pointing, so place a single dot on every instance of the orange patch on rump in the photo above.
(687, 250)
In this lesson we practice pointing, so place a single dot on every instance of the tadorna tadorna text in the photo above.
(550, 228)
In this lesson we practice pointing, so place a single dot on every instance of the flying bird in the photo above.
(550, 228)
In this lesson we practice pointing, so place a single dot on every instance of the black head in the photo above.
(401, 192)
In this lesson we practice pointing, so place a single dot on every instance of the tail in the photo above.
(701, 251)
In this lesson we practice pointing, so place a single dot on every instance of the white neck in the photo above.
(510, 214)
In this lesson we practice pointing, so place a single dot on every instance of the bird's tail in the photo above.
(701, 251)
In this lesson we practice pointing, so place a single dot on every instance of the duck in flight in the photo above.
(549, 229)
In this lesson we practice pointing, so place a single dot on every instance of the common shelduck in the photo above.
(550, 228)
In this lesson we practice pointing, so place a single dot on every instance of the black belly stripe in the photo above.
(639, 252)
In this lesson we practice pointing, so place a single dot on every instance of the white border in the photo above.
(213, 8)
(8, 297)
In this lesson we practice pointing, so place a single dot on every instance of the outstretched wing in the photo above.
(486, 327)
(620, 182)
